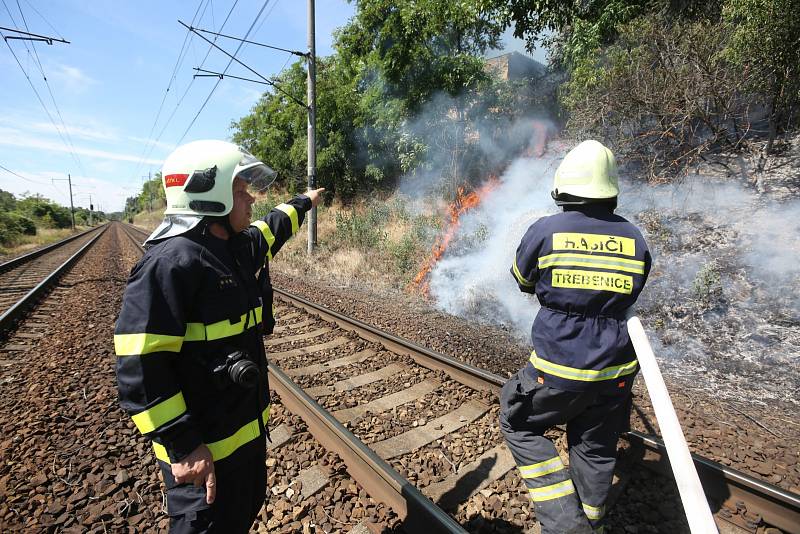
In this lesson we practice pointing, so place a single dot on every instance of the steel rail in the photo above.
(377, 477)
(380, 480)
(10, 317)
(469, 375)
(776, 506)
(16, 262)
(727, 488)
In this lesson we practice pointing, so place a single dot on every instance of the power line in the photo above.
(180, 100)
(295, 52)
(20, 176)
(49, 116)
(31, 36)
(266, 80)
(172, 77)
(213, 89)
(44, 19)
(49, 89)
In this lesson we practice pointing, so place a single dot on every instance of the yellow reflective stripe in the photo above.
(598, 262)
(542, 468)
(140, 344)
(585, 375)
(292, 213)
(161, 413)
(224, 447)
(221, 329)
(521, 279)
(599, 530)
(267, 233)
(593, 512)
(553, 491)
(594, 243)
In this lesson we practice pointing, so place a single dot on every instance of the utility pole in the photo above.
(71, 206)
(312, 125)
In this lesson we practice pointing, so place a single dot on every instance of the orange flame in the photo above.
(462, 204)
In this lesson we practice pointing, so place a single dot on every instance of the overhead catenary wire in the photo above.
(213, 89)
(266, 80)
(178, 61)
(295, 52)
(37, 37)
(45, 20)
(47, 112)
(182, 97)
(23, 177)
(49, 88)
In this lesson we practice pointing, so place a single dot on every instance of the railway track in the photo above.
(418, 429)
(24, 280)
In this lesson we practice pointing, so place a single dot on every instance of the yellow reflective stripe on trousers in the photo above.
(593, 513)
(224, 447)
(553, 491)
(292, 213)
(140, 344)
(584, 375)
(267, 233)
(222, 329)
(542, 468)
(163, 412)
(521, 279)
(598, 262)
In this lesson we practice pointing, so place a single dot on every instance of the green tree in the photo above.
(7, 201)
(765, 40)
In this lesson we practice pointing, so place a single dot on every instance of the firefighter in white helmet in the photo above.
(587, 266)
(191, 367)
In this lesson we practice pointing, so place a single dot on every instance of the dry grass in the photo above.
(376, 241)
(386, 252)
(149, 219)
(44, 236)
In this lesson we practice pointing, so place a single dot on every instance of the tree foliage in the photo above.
(402, 71)
(21, 217)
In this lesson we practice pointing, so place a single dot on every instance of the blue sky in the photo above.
(109, 82)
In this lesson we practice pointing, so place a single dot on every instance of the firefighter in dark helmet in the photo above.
(191, 367)
(586, 266)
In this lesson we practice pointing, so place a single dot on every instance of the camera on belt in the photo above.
(240, 369)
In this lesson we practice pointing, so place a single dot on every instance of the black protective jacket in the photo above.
(587, 266)
(191, 301)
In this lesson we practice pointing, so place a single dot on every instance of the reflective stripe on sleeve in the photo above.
(161, 413)
(267, 233)
(521, 279)
(542, 468)
(593, 513)
(292, 213)
(584, 375)
(140, 344)
(595, 261)
(553, 491)
(225, 447)
(224, 328)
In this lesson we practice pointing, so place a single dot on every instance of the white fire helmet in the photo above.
(198, 177)
(588, 171)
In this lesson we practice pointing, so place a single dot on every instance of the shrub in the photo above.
(664, 92)
(363, 229)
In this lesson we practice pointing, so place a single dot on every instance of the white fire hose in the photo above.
(694, 500)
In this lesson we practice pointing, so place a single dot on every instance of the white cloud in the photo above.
(18, 138)
(71, 78)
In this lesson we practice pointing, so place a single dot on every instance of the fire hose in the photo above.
(695, 504)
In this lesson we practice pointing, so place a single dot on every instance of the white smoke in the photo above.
(473, 279)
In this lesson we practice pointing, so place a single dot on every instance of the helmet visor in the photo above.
(259, 177)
